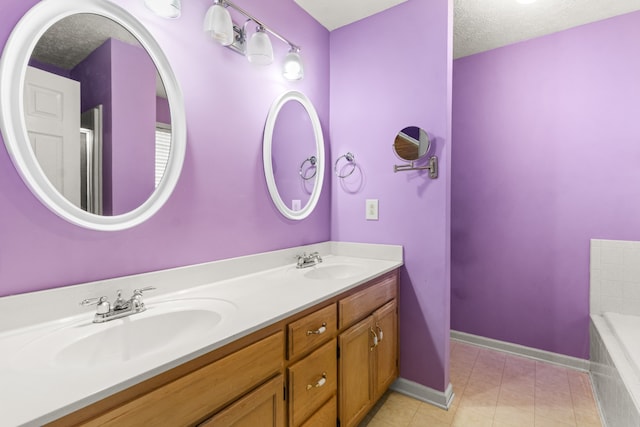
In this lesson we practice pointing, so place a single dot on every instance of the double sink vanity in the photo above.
(264, 340)
(226, 343)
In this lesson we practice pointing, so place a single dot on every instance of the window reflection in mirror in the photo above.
(97, 114)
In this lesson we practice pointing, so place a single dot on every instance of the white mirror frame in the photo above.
(13, 64)
(267, 152)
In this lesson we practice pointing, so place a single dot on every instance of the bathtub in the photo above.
(615, 367)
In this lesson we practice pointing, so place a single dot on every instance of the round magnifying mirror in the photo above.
(411, 143)
(91, 113)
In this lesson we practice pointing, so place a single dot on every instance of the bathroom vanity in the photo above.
(299, 347)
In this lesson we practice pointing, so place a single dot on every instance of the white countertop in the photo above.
(254, 291)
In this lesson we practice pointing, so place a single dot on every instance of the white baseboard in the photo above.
(521, 350)
(426, 394)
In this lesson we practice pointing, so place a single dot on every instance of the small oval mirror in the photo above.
(293, 155)
(411, 143)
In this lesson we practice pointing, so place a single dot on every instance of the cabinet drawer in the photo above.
(312, 330)
(361, 304)
(191, 398)
(262, 407)
(326, 416)
(312, 381)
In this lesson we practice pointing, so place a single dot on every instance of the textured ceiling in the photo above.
(487, 24)
(337, 13)
(481, 25)
(71, 39)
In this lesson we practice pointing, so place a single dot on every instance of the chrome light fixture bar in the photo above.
(257, 48)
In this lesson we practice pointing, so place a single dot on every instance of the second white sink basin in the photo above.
(334, 271)
(163, 326)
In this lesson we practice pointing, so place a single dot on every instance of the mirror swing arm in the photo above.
(432, 167)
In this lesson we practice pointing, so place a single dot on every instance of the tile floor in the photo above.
(497, 389)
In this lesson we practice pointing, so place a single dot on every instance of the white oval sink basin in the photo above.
(334, 271)
(163, 326)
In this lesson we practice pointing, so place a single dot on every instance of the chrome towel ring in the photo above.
(312, 164)
(350, 158)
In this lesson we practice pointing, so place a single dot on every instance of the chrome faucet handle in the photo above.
(136, 299)
(141, 290)
(102, 303)
(302, 258)
(316, 255)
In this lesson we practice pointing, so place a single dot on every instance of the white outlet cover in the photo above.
(371, 209)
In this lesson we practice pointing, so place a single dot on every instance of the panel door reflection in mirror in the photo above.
(106, 164)
(93, 114)
(411, 143)
(293, 155)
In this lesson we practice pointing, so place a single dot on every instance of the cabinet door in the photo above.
(263, 407)
(355, 372)
(386, 353)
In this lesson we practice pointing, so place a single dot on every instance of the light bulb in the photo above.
(292, 68)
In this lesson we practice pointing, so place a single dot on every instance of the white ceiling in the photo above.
(338, 13)
(487, 24)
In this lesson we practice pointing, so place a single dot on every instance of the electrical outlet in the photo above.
(372, 210)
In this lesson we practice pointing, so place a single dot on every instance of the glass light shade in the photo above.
(259, 49)
(292, 68)
(218, 24)
(165, 8)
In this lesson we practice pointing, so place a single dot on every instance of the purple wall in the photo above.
(163, 112)
(546, 150)
(133, 96)
(378, 87)
(221, 207)
(94, 74)
(293, 142)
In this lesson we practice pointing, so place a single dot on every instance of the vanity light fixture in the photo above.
(257, 48)
(217, 23)
(165, 8)
(292, 68)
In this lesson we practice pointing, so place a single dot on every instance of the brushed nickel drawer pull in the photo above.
(321, 330)
(322, 381)
(375, 339)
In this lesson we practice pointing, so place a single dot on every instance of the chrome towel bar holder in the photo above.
(350, 158)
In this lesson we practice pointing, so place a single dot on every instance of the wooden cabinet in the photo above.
(331, 361)
(196, 395)
(325, 416)
(263, 407)
(312, 330)
(368, 362)
(312, 381)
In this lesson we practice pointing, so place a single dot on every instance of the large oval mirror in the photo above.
(293, 155)
(92, 115)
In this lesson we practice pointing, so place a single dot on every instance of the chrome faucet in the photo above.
(120, 308)
(310, 260)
